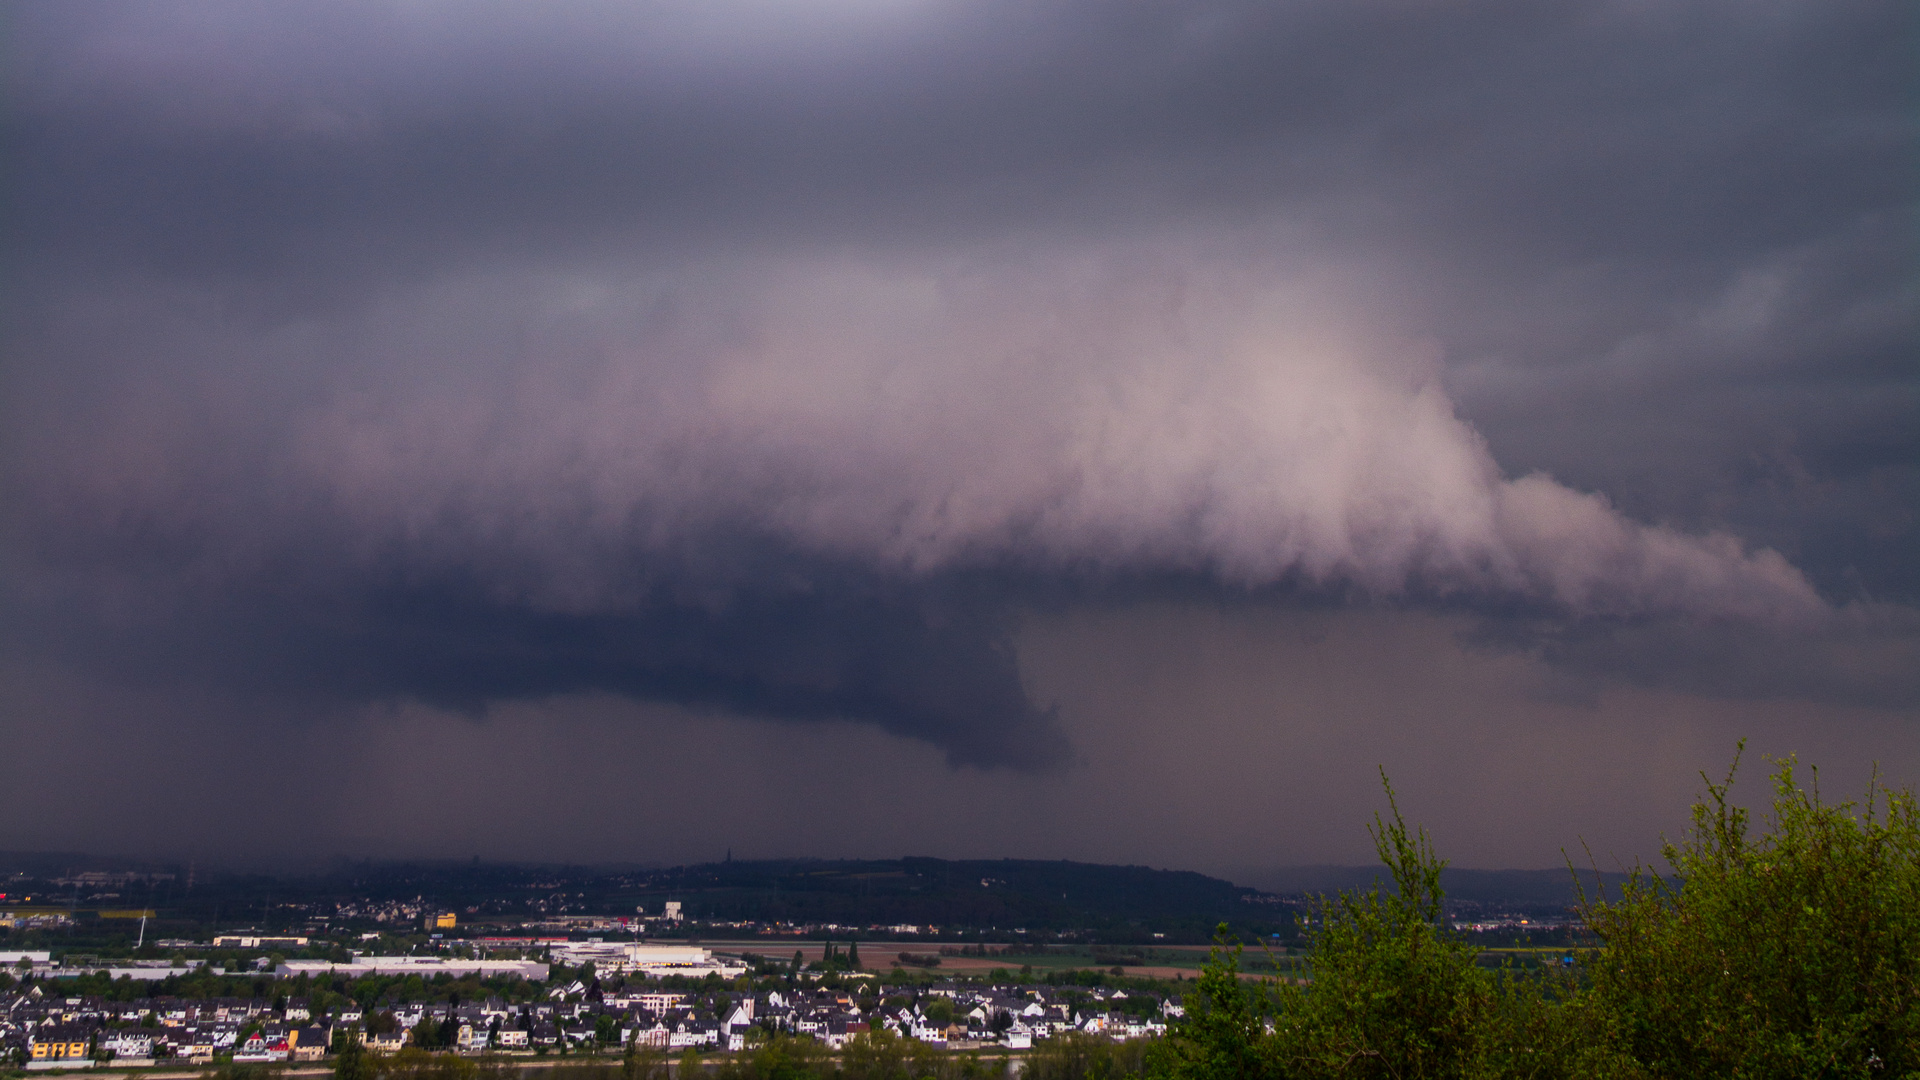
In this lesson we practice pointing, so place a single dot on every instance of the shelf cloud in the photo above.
(772, 505)
(785, 360)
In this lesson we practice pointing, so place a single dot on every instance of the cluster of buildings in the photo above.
(423, 966)
(45, 1030)
(637, 958)
(49, 1031)
(35, 918)
(948, 1015)
(42, 965)
(385, 911)
(1512, 922)
(963, 1016)
(615, 958)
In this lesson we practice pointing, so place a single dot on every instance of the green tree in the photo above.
(853, 956)
(780, 1058)
(1394, 994)
(643, 1063)
(354, 1062)
(1220, 1036)
(1077, 1055)
(882, 1055)
(1792, 954)
(414, 1063)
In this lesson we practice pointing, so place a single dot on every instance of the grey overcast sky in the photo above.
(1106, 431)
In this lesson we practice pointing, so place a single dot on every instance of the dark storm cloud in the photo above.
(1511, 132)
(1867, 657)
(816, 643)
(769, 357)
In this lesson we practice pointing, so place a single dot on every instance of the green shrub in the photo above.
(1078, 1055)
(882, 1055)
(1394, 993)
(1790, 954)
(778, 1058)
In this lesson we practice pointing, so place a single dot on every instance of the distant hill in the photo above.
(1049, 900)
(1061, 900)
(1518, 889)
(1112, 902)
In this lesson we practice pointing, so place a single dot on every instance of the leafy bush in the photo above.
(1394, 994)
(355, 1062)
(1078, 1055)
(882, 1055)
(1791, 954)
(779, 1058)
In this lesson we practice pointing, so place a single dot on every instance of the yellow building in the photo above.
(58, 1043)
(444, 921)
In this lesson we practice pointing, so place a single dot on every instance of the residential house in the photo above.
(840, 1029)
(309, 1043)
(129, 1042)
(194, 1043)
(58, 1042)
(692, 1031)
(644, 1028)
